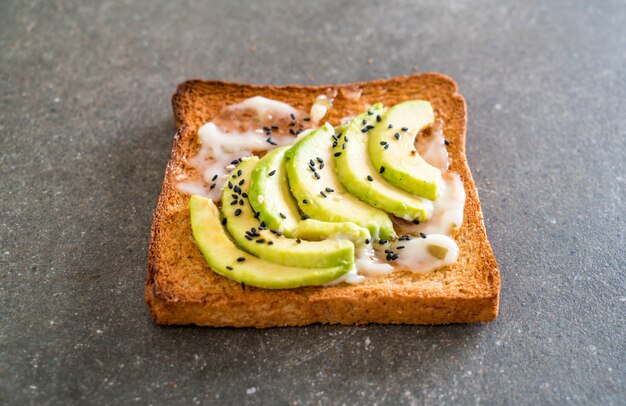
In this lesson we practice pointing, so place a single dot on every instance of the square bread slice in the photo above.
(181, 289)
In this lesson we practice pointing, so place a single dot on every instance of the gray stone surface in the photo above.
(85, 132)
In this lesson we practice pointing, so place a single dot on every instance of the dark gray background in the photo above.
(86, 128)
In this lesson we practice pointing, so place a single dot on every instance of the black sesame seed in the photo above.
(369, 177)
(400, 247)
(270, 141)
(383, 143)
(343, 146)
(262, 224)
(367, 241)
(260, 241)
(292, 124)
(235, 162)
(306, 119)
(345, 138)
(394, 257)
(405, 128)
(279, 233)
(274, 127)
(237, 212)
(422, 235)
(388, 257)
(446, 142)
(241, 259)
(213, 186)
(257, 214)
(382, 241)
(230, 268)
(317, 175)
(320, 160)
(335, 143)
(370, 112)
(405, 238)
(386, 146)
(388, 251)
(337, 154)
(397, 136)
(272, 173)
(304, 217)
(390, 126)
(381, 170)
(292, 132)
(323, 194)
(364, 122)
(214, 177)
(311, 162)
(292, 116)
(335, 137)
(322, 166)
(378, 119)
(298, 241)
(223, 222)
(266, 129)
(416, 221)
(329, 190)
(270, 243)
(282, 215)
(305, 201)
(364, 130)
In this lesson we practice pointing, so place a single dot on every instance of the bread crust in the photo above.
(181, 289)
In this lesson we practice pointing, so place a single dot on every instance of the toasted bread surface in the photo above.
(181, 289)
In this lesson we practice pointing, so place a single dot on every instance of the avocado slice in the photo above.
(312, 229)
(226, 259)
(270, 195)
(318, 191)
(392, 146)
(252, 235)
(360, 177)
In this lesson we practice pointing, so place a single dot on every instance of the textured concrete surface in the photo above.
(85, 132)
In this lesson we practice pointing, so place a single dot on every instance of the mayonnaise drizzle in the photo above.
(220, 147)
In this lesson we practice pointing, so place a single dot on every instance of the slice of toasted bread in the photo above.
(181, 289)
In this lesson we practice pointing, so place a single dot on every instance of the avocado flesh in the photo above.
(360, 177)
(221, 254)
(270, 195)
(404, 167)
(437, 251)
(338, 205)
(270, 246)
(312, 229)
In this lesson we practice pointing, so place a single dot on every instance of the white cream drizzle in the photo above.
(265, 108)
(218, 148)
(415, 256)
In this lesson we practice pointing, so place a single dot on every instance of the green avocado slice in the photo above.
(270, 195)
(226, 259)
(392, 146)
(318, 191)
(360, 177)
(252, 235)
(315, 230)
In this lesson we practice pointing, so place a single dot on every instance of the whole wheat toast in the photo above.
(181, 289)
